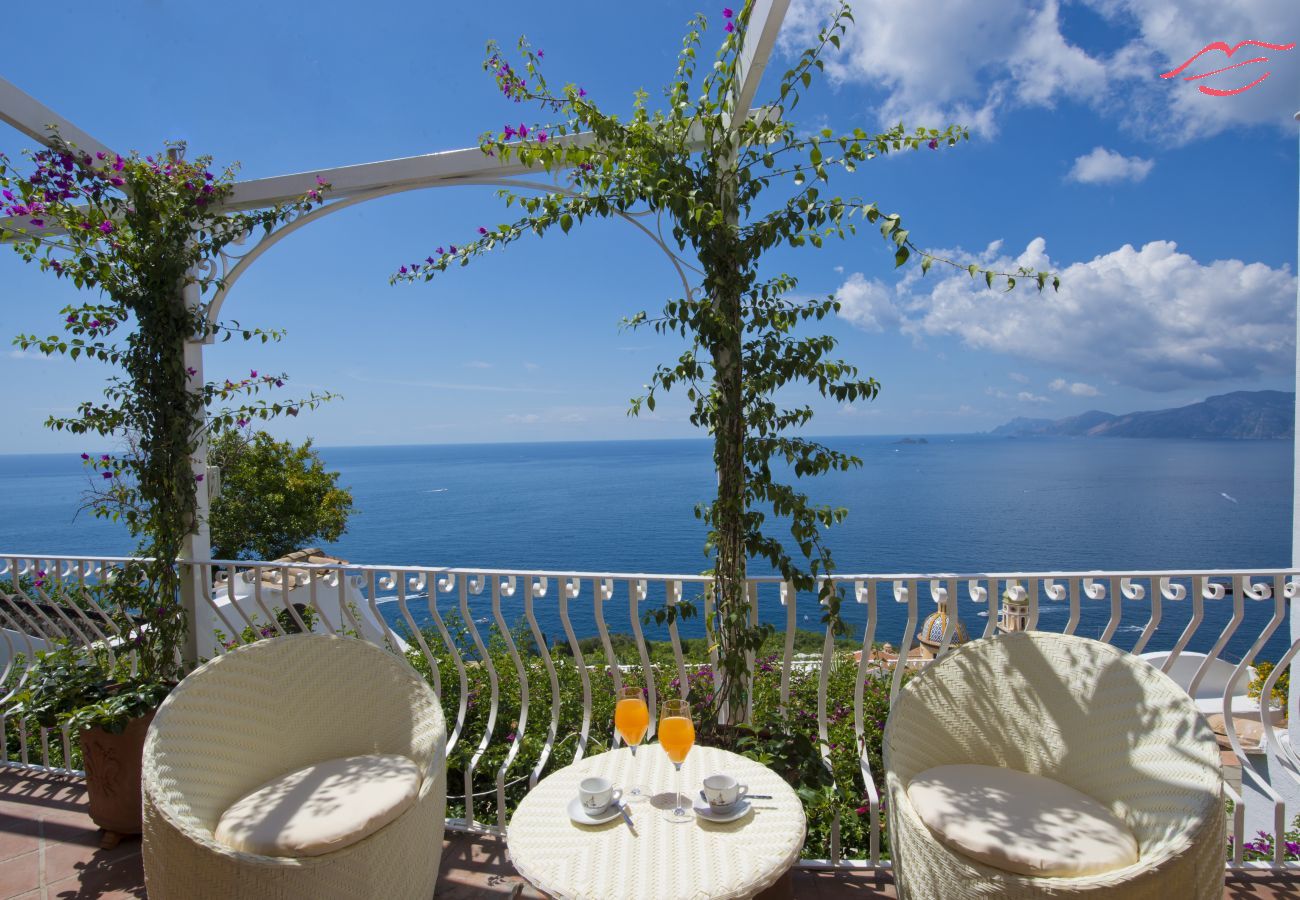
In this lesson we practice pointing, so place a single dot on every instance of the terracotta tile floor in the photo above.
(49, 850)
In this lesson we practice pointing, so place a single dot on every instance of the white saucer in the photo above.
(582, 817)
(704, 811)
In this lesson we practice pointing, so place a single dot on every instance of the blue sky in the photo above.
(1170, 215)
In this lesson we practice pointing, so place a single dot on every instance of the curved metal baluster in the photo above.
(1076, 607)
(979, 594)
(865, 592)
(467, 584)
(602, 590)
(257, 598)
(421, 583)
(942, 594)
(674, 589)
(1134, 591)
(823, 726)
(532, 589)
(346, 607)
(446, 585)
(521, 724)
(1198, 613)
(288, 584)
(1058, 592)
(569, 590)
(790, 600)
(314, 602)
(904, 592)
(1283, 749)
(636, 592)
(1278, 593)
(1116, 612)
(1238, 613)
(372, 600)
(231, 574)
(1032, 595)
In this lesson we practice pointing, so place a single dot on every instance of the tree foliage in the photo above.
(275, 497)
(728, 188)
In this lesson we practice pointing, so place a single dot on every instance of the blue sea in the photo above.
(957, 504)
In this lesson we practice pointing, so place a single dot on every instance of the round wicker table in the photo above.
(654, 858)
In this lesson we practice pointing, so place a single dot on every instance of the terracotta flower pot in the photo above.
(113, 763)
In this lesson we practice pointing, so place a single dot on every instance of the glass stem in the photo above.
(679, 811)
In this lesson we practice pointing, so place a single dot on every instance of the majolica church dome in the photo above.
(931, 634)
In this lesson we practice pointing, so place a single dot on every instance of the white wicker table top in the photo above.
(656, 859)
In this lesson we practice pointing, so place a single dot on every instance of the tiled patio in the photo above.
(49, 850)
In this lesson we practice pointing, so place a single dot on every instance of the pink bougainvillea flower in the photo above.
(582, 92)
(116, 182)
(118, 164)
(452, 249)
(729, 28)
(541, 137)
(320, 180)
(107, 475)
(727, 12)
(38, 223)
(429, 260)
(441, 252)
(8, 195)
(85, 456)
(198, 477)
(482, 230)
(191, 371)
(252, 373)
(523, 130)
(106, 227)
(541, 54)
(241, 422)
(509, 132)
(934, 145)
(402, 270)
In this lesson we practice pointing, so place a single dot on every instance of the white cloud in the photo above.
(997, 393)
(1151, 318)
(528, 419)
(1027, 397)
(970, 61)
(532, 366)
(1018, 377)
(1103, 166)
(867, 304)
(1077, 388)
(478, 364)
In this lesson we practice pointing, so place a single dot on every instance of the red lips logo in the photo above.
(1228, 51)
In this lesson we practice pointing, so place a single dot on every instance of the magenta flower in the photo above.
(108, 475)
(541, 137)
(118, 164)
(241, 422)
(523, 130)
(198, 477)
(508, 133)
(38, 223)
(8, 195)
(106, 227)
(541, 54)
(729, 28)
(862, 810)
(482, 230)
(429, 260)
(279, 383)
(104, 457)
(727, 12)
(934, 145)
(252, 373)
(116, 182)
(440, 251)
(582, 92)
(453, 249)
(191, 371)
(70, 319)
(85, 456)
(320, 180)
(402, 270)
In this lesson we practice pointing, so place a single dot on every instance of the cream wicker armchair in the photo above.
(1084, 714)
(273, 707)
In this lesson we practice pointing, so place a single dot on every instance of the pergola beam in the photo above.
(765, 21)
(36, 120)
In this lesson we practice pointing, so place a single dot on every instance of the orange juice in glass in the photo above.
(677, 736)
(632, 719)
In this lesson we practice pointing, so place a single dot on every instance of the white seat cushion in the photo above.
(321, 808)
(1019, 822)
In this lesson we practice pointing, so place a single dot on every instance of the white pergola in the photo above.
(351, 185)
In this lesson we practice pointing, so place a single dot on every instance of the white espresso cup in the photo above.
(597, 794)
(723, 792)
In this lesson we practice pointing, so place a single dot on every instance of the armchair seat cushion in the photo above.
(322, 807)
(1021, 823)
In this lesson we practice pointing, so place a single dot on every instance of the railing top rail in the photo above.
(695, 578)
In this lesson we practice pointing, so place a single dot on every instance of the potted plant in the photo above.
(106, 694)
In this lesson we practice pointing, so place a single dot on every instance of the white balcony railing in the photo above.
(523, 691)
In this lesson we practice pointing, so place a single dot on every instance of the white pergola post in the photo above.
(1293, 695)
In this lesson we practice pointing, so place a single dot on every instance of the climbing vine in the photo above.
(140, 233)
(704, 173)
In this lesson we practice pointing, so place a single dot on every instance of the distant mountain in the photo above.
(1241, 415)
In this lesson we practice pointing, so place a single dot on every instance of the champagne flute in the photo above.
(676, 736)
(632, 719)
